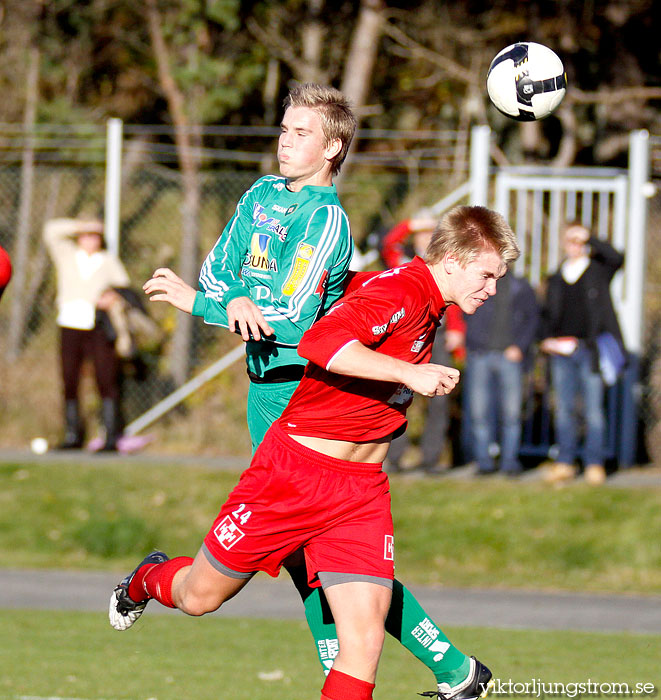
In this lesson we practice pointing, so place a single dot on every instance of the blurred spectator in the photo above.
(5, 270)
(408, 238)
(499, 336)
(86, 276)
(405, 240)
(578, 315)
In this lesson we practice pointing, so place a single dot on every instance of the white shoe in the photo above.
(123, 611)
(123, 620)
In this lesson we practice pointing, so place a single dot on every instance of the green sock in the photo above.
(318, 616)
(320, 622)
(409, 624)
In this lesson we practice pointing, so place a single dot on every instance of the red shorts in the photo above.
(292, 497)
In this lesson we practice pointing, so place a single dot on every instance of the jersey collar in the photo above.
(437, 297)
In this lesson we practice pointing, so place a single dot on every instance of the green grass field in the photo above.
(62, 655)
(105, 515)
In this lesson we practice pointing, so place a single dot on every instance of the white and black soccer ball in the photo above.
(526, 81)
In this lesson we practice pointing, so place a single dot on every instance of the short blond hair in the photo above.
(574, 225)
(337, 118)
(467, 231)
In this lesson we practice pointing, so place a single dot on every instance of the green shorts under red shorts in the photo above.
(292, 497)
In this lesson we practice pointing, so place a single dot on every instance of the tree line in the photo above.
(404, 64)
(414, 65)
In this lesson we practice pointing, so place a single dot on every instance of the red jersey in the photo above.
(395, 313)
(394, 254)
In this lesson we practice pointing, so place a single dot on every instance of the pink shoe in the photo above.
(95, 444)
(133, 443)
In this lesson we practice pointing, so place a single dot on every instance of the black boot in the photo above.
(110, 418)
(74, 435)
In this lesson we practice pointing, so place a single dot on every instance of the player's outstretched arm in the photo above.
(242, 313)
(356, 360)
(165, 285)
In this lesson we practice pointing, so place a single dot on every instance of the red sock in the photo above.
(341, 686)
(155, 581)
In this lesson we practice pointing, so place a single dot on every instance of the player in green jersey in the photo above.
(279, 264)
(293, 249)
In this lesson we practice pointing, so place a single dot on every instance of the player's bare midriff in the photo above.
(346, 450)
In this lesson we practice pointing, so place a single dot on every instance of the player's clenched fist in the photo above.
(432, 380)
(245, 317)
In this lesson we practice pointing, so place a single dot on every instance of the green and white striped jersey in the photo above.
(289, 252)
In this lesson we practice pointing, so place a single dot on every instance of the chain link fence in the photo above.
(60, 172)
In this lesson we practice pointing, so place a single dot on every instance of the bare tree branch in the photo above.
(361, 57)
(498, 155)
(569, 141)
(174, 97)
(21, 250)
(358, 73)
(611, 146)
(452, 68)
(189, 170)
(610, 96)
(276, 45)
(312, 37)
(284, 51)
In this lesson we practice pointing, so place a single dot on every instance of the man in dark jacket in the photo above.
(578, 309)
(499, 336)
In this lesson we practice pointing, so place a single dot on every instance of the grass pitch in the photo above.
(108, 514)
(64, 655)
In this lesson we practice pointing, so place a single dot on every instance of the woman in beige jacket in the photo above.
(86, 276)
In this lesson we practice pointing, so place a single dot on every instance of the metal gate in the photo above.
(612, 203)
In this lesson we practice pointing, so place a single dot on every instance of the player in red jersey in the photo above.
(316, 480)
(406, 239)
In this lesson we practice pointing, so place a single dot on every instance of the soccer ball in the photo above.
(526, 81)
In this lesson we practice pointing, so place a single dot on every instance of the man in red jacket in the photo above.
(408, 238)
(5, 270)
(316, 481)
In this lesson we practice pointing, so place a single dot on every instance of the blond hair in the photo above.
(337, 119)
(467, 231)
(576, 224)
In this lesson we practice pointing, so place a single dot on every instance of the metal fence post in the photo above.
(634, 289)
(114, 128)
(635, 262)
(479, 165)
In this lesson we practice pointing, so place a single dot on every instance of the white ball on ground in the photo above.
(39, 445)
